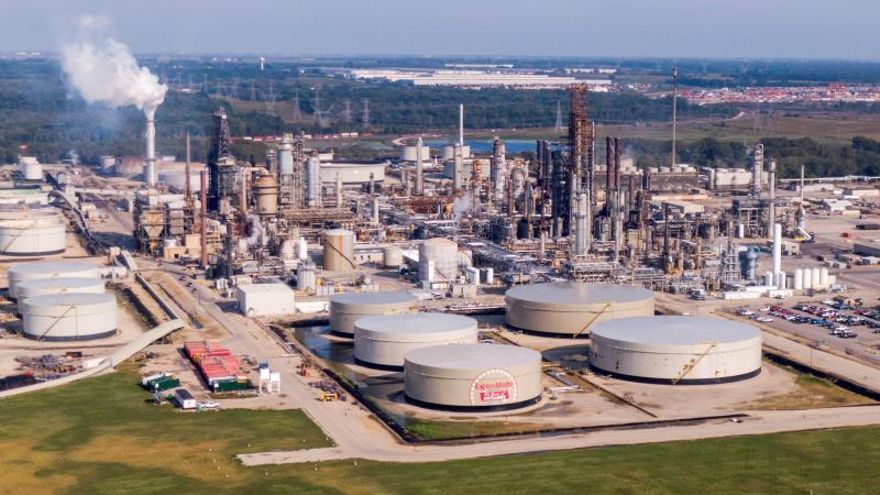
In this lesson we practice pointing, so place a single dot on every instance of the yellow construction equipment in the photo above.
(328, 396)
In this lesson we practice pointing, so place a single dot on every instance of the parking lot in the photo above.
(851, 327)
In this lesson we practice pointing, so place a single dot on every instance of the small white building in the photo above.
(265, 299)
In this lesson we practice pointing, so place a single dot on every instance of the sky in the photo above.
(844, 29)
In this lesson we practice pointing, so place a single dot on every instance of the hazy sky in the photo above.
(844, 29)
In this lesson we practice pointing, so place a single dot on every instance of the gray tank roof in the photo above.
(72, 299)
(414, 327)
(367, 298)
(51, 267)
(568, 295)
(674, 330)
(473, 356)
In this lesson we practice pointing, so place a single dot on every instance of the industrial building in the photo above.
(383, 341)
(59, 317)
(265, 300)
(346, 309)
(473, 377)
(562, 309)
(676, 349)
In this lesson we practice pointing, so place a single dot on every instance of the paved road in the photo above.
(759, 423)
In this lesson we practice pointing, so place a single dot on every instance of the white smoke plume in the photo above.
(103, 69)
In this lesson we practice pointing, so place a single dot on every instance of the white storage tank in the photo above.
(64, 285)
(449, 152)
(824, 279)
(473, 377)
(49, 269)
(339, 250)
(69, 317)
(392, 257)
(382, 341)
(798, 283)
(33, 236)
(409, 153)
(438, 260)
(676, 349)
(33, 171)
(565, 309)
(346, 309)
(816, 277)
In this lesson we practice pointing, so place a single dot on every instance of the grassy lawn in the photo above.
(100, 436)
(439, 430)
(811, 392)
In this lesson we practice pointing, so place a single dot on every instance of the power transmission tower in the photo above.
(558, 118)
(346, 112)
(321, 115)
(297, 112)
(269, 98)
(365, 118)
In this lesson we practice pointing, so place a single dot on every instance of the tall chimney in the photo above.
(188, 188)
(461, 126)
(609, 166)
(203, 198)
(616, 163)
(150, 135)
(419, 170)
(777, 251)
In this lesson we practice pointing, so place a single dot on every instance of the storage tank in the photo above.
(69, 317)
(382, 341)
(175, 179)
(816, 277)
(392, 257)
(49, 269)
(33, 236)
(345, 309)
(64, 285)
(266, 192)
(449, 152)
(676, 349)
(306, 276)
(313, 182)
(473, 377)
(566, 309)
(302, 249)
(798, 282)
(33, 171)
(339, 250)
(438, 260)
(409, 153)
(823, 277)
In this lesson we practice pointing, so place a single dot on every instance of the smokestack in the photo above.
(616, 163)
(203, 234)
(777, 251)
(150, 135)
(338, 191)
(674, 111)
(376, 210)
(771, 210)
(188, 188)
(461, 126)
(458, 168)
(419, 170)
(609, 165)
(802, 184)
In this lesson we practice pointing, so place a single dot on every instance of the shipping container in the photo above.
(184, 399)
(165, 383)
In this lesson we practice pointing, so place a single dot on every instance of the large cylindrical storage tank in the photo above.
(49, 269)
(34, 236)
(392, 256)
(69, 316)
(798, 283)
(382, 341)
(676, 349)
(438, 260)
(409, 153)
(345, 309)
(33, 171)
(449, 152)
(49, 286)
(339, 250)
(816, 277)
(175, 179)
(473, 377)
(565, 309)
(824, 279)
(266, 191)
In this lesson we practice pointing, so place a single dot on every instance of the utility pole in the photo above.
(365, 119)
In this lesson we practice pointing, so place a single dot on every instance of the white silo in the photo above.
(798, 282)
(438, 260)
(823, 277)
(807, 278)
(768, 279)
(816, 276)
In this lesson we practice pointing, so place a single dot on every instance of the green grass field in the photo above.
(100, 436)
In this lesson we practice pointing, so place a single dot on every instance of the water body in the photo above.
(512, 146)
